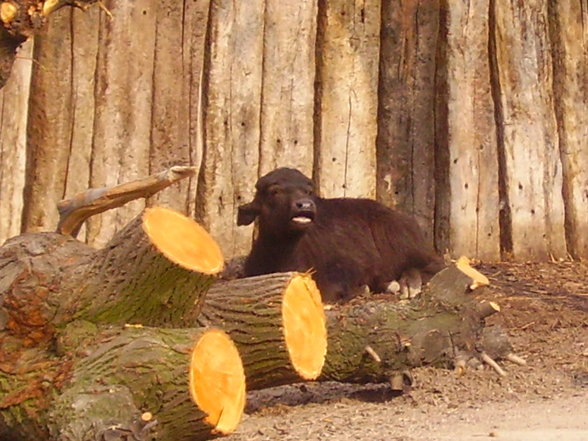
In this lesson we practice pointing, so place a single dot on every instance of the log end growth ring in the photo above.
(217, 381)
(305, 329)
(182, 240)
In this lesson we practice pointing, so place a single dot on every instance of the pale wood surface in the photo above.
(122, 125)
(569, 33)
(471, 136)
(49, 128)
(287, 100)
(13, 121)
(533, 170)
(347, 66)
(480, 114)
(231, 120)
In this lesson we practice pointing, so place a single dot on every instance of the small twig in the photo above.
(373, 354)
(486, 309)
(102, 6)
(397, 382)
(528, 325)
(460, 364)
(490, 362)
(513, 358)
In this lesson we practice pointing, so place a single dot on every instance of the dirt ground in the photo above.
(545, 310)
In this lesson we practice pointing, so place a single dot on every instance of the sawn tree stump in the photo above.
(68, 368)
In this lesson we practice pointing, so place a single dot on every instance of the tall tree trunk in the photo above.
(13, 122)
(287, 99)
(569, 35)
(123, 109)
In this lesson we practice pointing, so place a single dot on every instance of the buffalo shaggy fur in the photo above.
(347, 243)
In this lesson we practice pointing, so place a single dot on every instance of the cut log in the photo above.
(432, 329)
(152, 273)
(136, 383)
(277, 322)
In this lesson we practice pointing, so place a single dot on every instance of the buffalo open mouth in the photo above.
(303, 218)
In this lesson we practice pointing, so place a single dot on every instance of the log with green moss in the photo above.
(370, 339)
(152, 273)
(378, 340)
(128, 383)
(277, 322)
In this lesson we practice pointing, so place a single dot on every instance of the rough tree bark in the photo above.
(260, 314)
(13, 123)
(137, 383)
(569, 38)
(231, 115)
(376, 340)
(466, 134)
(287, 99)
(527, 130)
(442, 327)
(49, 279)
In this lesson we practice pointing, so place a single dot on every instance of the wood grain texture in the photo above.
(84, 49)
(170, 143)
(406, 113)
(348, 50)
(49, 125)
(471, 134)
(287, 104)
(123, 112)
(195, 23)
(231, 110)
(13, 121)
(533, 169)
(569, 35)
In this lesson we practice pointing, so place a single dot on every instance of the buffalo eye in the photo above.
(275, 191)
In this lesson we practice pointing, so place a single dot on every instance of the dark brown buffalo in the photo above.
(348, 243)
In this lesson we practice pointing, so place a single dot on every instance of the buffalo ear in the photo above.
(247, 213)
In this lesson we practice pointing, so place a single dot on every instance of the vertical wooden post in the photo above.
(348, 48)
(406, 113)
(471, 134)
(533, 169)
(14, 100)
(49, 125)
(569, 34)
(122, 124)
(231, 120)
(287, 105)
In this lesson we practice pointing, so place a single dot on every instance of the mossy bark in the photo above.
(433, 329)
(100, 389)
(129, 280)
(250, 311)
(47, 280)
(51, 282)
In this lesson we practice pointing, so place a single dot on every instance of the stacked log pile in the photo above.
(140, 340)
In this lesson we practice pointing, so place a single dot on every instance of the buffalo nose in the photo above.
(305, 204)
